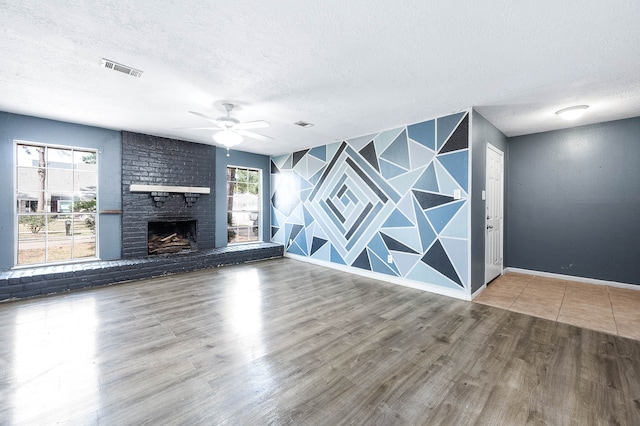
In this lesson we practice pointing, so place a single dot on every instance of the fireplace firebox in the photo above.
(177, 236)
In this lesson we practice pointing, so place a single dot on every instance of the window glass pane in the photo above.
(251, 202)
(27, 204)
(84, 160)
(30, 156)
(85, 181)
(60, 225)
(60, 180)
(84, 237)
(231, 235)
(62, 204)
(31, 238)
(239, 218)
(59, 248)
(84, 246)
(30, 179)
(59, 158)
(84, 205)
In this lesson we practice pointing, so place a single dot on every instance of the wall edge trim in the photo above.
(573, 278)
(430, 288)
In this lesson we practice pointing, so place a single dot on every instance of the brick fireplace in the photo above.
(161, 163)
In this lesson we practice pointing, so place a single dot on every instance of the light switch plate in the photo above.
(456, 194)
(389, 259)
(484, 194)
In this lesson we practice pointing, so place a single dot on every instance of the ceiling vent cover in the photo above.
(106, 63)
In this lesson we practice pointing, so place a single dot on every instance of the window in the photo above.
(56, 196)
(243, 205)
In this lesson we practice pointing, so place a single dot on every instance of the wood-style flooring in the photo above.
(597, 307)
(287, 342)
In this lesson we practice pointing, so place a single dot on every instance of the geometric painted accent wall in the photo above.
(364, 201)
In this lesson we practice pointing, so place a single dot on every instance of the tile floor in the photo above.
(597, 307)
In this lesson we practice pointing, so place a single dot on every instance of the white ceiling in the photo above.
(349, 67)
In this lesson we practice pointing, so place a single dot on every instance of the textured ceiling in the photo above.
(349, 67)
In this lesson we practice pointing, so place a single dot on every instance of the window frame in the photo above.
(259, 236)
(17, 214)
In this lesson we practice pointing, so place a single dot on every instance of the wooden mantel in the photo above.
(173, 189)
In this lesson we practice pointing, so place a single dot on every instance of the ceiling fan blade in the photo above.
(206, 117)
(253, 135)
(259, 124)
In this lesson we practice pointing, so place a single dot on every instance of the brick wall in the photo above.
(152, 160)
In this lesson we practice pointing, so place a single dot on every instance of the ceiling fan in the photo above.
(231, 129)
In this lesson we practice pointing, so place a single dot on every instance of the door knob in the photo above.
(489, 227)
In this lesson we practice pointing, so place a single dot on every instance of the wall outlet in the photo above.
(389, 259)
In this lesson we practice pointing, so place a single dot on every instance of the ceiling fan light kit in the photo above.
(227, 138)
(231, 129)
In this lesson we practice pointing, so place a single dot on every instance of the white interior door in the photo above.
(495, 205)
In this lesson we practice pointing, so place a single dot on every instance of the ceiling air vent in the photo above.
(106, 63)
(303, 124)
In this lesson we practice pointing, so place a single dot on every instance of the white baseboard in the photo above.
(573, 278)
(431, 288)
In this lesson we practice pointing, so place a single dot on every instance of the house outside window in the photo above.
(56, 199)
(243, 204)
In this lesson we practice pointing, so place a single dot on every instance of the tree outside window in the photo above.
(243, 205)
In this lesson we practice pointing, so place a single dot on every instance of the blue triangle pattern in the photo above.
(389, 170)
(295, 249)
(301, 241)
(377, 265)
(317, 244)
(362, 261)
(428, 180)
(457, 163)
(335, 257)
(426, 232)
(396, 219)
(424, 133)
(308, 218)
(398, 152)
(319, 152)
(440, 216)
(446, 125)
(377, 246)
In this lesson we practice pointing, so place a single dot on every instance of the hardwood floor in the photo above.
(287, 342)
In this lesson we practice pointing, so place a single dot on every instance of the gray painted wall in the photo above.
(573, 198)
(107, 142)
(482, 133)
(243, 159)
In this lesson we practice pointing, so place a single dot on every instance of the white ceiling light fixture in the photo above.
(572, 113)
(227, 138)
